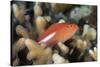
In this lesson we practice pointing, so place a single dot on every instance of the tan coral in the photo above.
(63, 48)
(19, 45)
(89, 33)
(42, 44)
(47, 18)
(80, 44)
(34, 48)
(37, 9)
(20, 30)
(46, 57)
(19, 13)
(35, 51)
(40, 24)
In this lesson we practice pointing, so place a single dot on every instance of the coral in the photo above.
(60, 7)
(35, 51)
(63, 48)
(93, 53)
(37, 10)
(80, 12)
(61, 21)
(57, 59)
(83, 42)
(47, 18)
(20, 30)
(53, 33)
(18, 13)
(40, 24)
(19, 45)
(80, 44)
(89, 33)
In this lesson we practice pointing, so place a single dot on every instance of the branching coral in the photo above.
(19, 45)
(53, 34)
(83, 42)
(63, 48)
(40, 24)
(35, 51)
(37, 9)
(89, 33)
(20, 30)
(80, 12)
(18, 13)
(58, 59)
(93, 53)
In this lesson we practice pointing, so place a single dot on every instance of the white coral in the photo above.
(63, 48)
(89, 33)
(58, 59)
(93, 53)
(80, 12)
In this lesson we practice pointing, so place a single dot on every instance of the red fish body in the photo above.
(58, 32)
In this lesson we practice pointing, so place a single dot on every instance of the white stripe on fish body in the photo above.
(48, 37)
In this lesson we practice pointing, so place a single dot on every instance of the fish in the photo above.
(58, 32)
